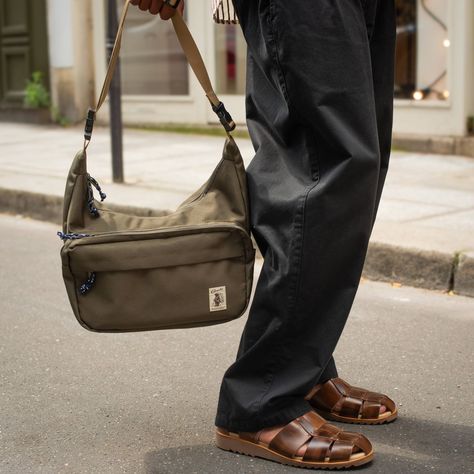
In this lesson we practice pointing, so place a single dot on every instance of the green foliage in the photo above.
(36, 95)
(58, 118)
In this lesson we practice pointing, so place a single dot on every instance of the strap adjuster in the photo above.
(89, 124)
(224, 116)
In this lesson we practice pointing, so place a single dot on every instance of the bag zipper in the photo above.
(83, 239)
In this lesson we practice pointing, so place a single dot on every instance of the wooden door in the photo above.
(23, 47)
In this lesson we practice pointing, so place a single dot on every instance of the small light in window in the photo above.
(418, 95)
(445, 94)
(446, 43)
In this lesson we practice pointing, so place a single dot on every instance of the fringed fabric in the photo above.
(223, 11)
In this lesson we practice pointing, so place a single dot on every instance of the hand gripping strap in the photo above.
(193, 57)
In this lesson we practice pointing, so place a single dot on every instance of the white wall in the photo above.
(60, 33)
(71, 56)
(469, 59)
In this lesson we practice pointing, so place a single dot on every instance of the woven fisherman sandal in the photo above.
(337, 400)
(308, 441)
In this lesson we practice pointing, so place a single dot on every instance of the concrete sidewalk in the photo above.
(424, 235)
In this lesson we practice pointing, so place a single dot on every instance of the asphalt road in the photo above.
(72, 401)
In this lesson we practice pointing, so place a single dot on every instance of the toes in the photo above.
(383, 409)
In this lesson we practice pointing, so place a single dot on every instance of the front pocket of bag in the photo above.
(163, 283)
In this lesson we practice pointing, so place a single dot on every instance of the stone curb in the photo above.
(411, 267)
(464, 275)
(445, 145)
(46, 207)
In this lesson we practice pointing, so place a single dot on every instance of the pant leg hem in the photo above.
(282, 416)
(328, 375)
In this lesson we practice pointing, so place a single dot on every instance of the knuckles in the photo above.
(155, 8)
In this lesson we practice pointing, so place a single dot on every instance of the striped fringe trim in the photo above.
(223, 11)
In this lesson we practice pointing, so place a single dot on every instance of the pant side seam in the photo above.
(293, 287)
(298, 223)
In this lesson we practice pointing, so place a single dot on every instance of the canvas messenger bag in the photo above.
(192, 267)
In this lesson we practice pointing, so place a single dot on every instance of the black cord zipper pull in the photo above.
(90, 195)
(88, 284)
(90, 201)
(96, 186)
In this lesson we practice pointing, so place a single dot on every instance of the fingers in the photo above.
(158, 6)
(155, 6)
(167, 12)
(144, 5)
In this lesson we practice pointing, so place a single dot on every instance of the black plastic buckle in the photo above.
(224, 116)
(89, 124)
(172, 3)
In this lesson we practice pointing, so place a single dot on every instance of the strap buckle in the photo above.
(89, 124)
(224, 116)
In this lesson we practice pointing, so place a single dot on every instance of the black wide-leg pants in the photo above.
(319, 103)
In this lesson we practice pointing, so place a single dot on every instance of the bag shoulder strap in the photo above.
(193, 57)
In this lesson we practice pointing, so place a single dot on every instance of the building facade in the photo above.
(23, 49)
(434, 92)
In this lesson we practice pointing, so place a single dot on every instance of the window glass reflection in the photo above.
(152, 61)
(422, 50)
(230, 59)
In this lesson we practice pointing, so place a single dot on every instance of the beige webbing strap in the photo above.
(193, 56)
(113, 58)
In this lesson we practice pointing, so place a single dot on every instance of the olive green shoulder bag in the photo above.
(192, 267)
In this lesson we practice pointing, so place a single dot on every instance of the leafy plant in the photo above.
(36, 95)
(58, 118)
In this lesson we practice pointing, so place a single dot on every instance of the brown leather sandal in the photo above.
(307, 441)
(337, 400)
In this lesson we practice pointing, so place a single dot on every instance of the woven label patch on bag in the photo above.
(217, 298)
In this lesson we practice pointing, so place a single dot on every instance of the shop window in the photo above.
(230, 59)
(152, 61)
(422, 50)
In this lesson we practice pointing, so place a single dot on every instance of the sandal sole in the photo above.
(358, 421)
(241, 446)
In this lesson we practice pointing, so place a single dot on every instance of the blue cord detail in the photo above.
(87, 285)
(73, 236)
(90, 195)
(96, 186)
